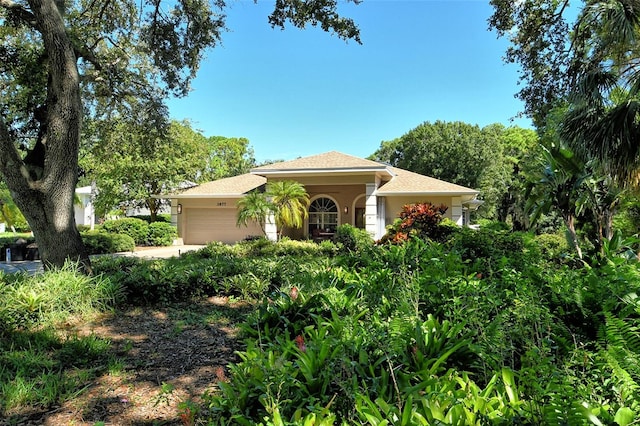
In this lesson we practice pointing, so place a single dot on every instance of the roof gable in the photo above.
(329, 161)
(227, 187)
(406, 182)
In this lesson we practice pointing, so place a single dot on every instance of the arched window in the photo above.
(323, 216)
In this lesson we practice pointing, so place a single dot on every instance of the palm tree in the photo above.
(289, 201)
(253, 207)
(603, 120)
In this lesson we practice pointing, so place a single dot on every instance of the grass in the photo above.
(15, 235)
(42, 368)
(38, 364)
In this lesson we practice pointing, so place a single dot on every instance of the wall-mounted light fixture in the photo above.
(179, 208)
(346, 210)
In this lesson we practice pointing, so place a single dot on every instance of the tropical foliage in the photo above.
(287, 201)
(484, 327)
(587, 59)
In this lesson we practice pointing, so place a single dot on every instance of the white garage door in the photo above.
(205, 225)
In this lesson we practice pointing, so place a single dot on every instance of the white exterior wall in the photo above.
(84, 212)
(456, 210)
(371, 211)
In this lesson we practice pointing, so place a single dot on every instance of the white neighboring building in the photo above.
(84, 212)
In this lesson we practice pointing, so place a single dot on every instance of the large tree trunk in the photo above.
(44, 193)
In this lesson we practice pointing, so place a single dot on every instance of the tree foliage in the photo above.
(488, 159)
(253, 207)
(227, 157)
(286, 200)
(134, 162)
(585, 56)
(290, 202)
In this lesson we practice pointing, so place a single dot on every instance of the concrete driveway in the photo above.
(32, 267)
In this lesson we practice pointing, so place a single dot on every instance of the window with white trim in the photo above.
(323, 215)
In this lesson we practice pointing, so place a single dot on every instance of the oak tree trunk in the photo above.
(44, 190)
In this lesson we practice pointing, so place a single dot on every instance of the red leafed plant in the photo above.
(300, 343)
(420, 219)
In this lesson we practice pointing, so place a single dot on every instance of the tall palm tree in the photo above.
(289, 200)
(253, 207)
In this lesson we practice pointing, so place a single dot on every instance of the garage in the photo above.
(204, 225)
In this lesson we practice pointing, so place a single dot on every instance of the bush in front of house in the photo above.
(353, 239)
(137, 229)
(163, 217)
(420, 220)
(161, 234)
(98, 242)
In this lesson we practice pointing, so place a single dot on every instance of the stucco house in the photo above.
(342, 189)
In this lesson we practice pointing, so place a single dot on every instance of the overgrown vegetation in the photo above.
(38, 365)
(484, 327)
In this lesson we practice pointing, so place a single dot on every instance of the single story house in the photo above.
(342, 189)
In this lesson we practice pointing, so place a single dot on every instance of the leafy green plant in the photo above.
(98, 242)
(137, 229)
(161, 234)
(353, 239)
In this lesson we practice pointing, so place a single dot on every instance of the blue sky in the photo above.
(297, 92)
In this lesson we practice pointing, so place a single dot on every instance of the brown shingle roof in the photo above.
(232, 186)
(408, 182)
(332, 160)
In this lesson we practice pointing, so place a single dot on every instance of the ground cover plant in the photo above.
(483, 327)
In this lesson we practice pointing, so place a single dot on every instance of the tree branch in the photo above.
(19, 12)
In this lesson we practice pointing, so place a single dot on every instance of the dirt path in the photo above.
(165, 357)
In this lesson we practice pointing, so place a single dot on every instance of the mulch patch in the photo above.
(167, 355)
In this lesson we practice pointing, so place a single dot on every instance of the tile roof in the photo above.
(332, 160)
(236, 185)
(408, 182)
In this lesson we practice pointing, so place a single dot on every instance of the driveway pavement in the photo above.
(35, 266)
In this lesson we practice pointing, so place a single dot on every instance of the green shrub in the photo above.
(445, 230)
(490, 251)
(169, 280)
(553, 247)
(164, 217)
(98, 242)
(83, 228)
(161, 234)
(353, 239)
(494, 225)
(137, 229)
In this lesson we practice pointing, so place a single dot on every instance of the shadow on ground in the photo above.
(161, 357)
